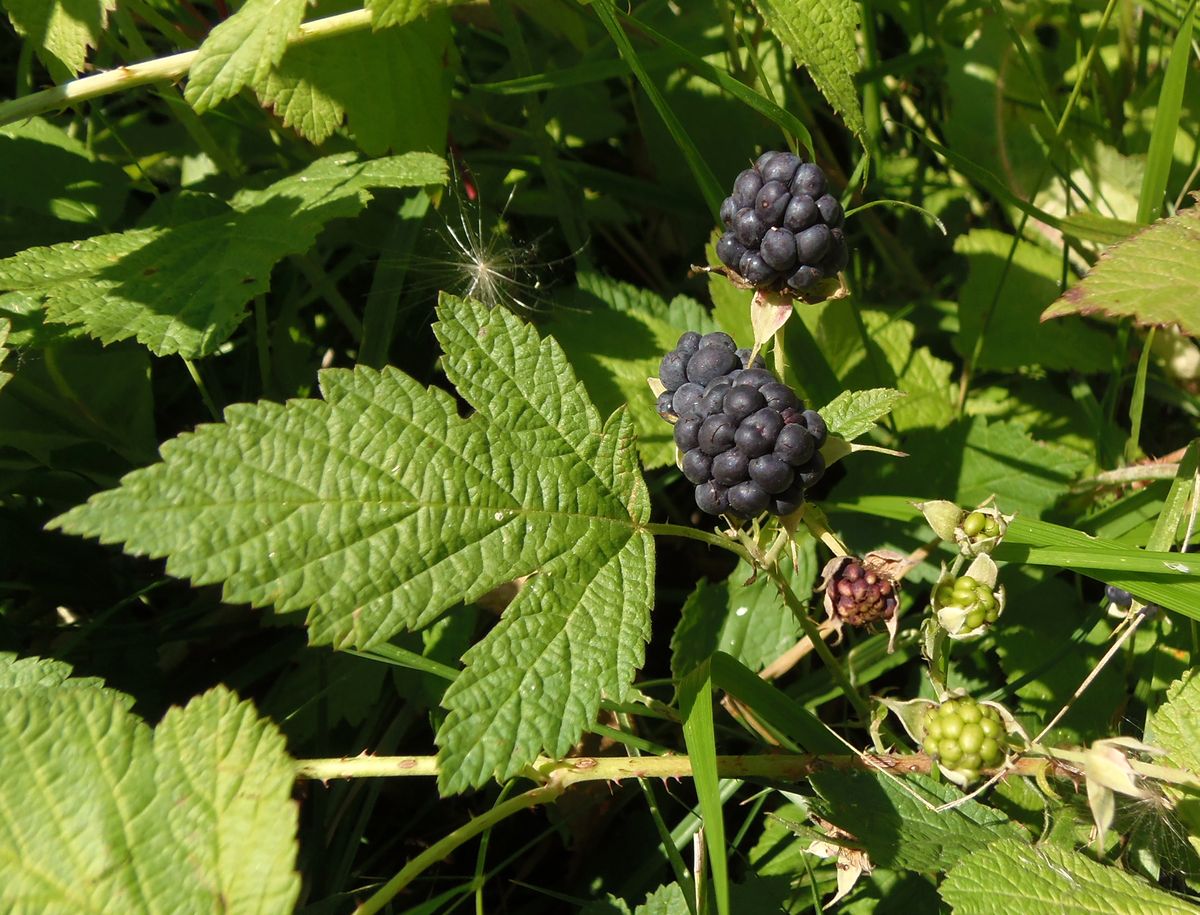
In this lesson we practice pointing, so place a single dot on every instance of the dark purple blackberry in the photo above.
(772, 473)
(782, 196)
(712, 498)
(748, 499)
(697, 466)
(709, 363)
(687, 431)
(730, 467)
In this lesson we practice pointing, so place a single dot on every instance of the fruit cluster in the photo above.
(976, 599)
(862, 595)
(964, 736)
(783, 227)
(748, 444)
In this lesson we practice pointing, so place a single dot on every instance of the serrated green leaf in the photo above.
(894, 821)
(1013, 336)
(820, 34)
(666, 900)
(315, 85)
(386, 13)
(1047, 880)
(749, 622)
(853, 413)
(183, 288)
(102, 815)
(1176, 723)
(242, 50)
(61, 31)
(615, 335)
(379, 508)
(42, 673)
(1151, 278)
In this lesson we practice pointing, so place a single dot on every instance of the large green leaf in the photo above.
(378, 508)
(615, 335)
(1047, 880)
(821, 36)
(242, 50)
(101, 814)
(61, 31)
(1177, 721)
(1012, 335)
(1151, 278)
(183, 288)
(315, 85)
(894, 819)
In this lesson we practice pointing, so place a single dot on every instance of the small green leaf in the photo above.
(894, 821)
(1151, 278)
(103, 815)
(184, 288)
(386, 13)
(853, 413)
(666, 900)
(615, 336)
(820, 34)
(1047, 880)
(61, 31)
(242, 50)
(749, 622)
(378, 508)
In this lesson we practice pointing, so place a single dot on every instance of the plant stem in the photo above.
(161, 69)
(543, 794)
(692, 533)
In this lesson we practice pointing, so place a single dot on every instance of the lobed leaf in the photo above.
(821, 36)
(183, 288)
(1047, 880)
(1151, 278)
(61, 31)
(242, 50)
(102, 815)
(894, 820)
(379, 507)
(1177, 721)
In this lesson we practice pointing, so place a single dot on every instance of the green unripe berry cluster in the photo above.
(976, 597)
(978, 524)
(964, 736)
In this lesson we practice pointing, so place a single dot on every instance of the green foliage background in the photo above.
(325, 431)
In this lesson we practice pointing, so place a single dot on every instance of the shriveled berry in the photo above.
(730, 467)
(712, 498)
(747, 499)
(716, 434)
(861, 594)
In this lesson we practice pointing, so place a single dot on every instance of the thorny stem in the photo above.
(692, 533)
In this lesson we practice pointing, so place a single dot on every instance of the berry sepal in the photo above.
(968, 605)
(975, 532)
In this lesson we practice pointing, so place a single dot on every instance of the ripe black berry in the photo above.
(717, 433)
(795, 444)
(747, 499)
(672, 371)
(779, 396)
(710, 362)
(665, 410)
(782, 196)
(687, 398)
(730, 467)
(697, 466)
(687, 431)
(742, 400)
(757, 432)
(816, 426)
(712, 498)
(771, 473)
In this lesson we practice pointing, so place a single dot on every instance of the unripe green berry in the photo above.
(949, 751)
(975, 523)
(969, 712)
(970, 738)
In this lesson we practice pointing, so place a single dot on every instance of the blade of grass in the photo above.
(709, 186)
(1176, 504)
(1166, 122)
(695, 702)
(1138, 399)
